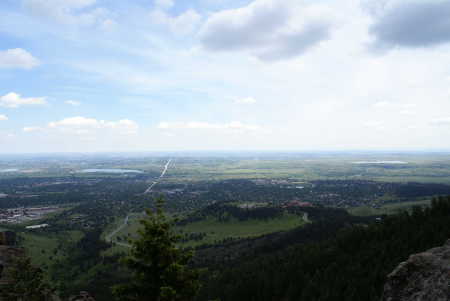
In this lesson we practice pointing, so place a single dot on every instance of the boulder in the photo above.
(83, 296)
(423, 277)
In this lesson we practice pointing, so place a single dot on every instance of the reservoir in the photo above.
(380, 162)
(9, 170)
(109, 170)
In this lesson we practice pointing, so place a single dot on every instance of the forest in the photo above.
(350, 265)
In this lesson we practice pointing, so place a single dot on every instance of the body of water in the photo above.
(9, 170)
(109, 170)
(380, 162)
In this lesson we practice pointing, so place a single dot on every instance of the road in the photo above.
(305, 217)
(109, 237)
(165, 168)
(123, 225)
(149, 189)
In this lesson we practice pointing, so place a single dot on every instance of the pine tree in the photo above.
(160, 268)
(26, 283)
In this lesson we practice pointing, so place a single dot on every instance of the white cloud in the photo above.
(247, 100)
(377, 125)
(194, 125)
(408, 113)
(164, 4)
(182, 24)
(29, 129)
(75, 122)
(82, 125)
(108, 24)
(404, 109)
(3, 117)
(382, 104)
(6, 135)
(74, 12)
(409, 105)
(413, 23)
(14, 100)
(268, 29)
(445, 121)
(73, 103)
(17, 58)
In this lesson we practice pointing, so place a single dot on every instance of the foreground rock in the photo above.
(423, 277)
(8, 251)
(83, 296)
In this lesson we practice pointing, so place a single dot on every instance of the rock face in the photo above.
(7, 238)
(8, 251)
(423, 277)
(83, 296)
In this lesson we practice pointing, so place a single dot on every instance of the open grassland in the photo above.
(121, 238)
(129, 230)
(216, 231)
(45, 248)
(387, 209)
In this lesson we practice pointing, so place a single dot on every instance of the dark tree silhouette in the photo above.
(160, 269)
(26, 282)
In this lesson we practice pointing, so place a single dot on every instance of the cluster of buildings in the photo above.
(296, 203)
(23, 214)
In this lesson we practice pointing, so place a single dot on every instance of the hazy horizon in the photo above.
(237, 152)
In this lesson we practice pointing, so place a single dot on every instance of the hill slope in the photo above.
(351, 266)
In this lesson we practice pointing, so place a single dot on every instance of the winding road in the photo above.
(109, 237)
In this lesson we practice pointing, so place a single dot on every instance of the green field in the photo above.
(44, 248)
(130, 230)
(217, 231)
(388, 209)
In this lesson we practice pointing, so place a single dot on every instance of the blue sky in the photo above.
(102, 75)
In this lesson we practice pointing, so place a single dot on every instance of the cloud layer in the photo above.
(69, 12)
(17, 58)
(73, 103)
(194, 125)
(445, 121)
(247, 100)
(82, 125)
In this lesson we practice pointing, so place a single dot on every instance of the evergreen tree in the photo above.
(26, 283)
(160, 269)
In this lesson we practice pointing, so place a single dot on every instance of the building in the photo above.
(296, 203)
(36, 226)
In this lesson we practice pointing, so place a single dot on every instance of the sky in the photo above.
(154, 75)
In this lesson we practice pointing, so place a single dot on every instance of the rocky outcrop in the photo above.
(423, 277)
(83, 296)
(7, 238)
(8, 251)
